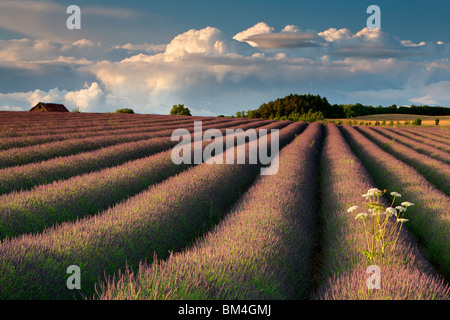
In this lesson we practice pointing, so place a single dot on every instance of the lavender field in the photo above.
(101, 192)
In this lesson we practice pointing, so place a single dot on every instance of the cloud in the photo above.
(370, 43)
(143, 47)
(90, 98)
(334, 34)
(284, 40)
(208, 41)
(215, 73)
(86, 99)
(257, 29)
(433, 94)
(47, 20)
(263, 36)
(409, 43)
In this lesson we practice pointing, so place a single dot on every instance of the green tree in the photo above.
(124, 110)
(180, 110)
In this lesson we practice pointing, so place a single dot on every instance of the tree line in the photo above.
(314, 107)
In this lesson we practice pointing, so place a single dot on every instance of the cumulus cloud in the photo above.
(90, 98)
(208, 41)
(86, 99)
(263, 36)
(257, 29)
(215, 73)
(334, 34)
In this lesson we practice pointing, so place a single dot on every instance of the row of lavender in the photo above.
(63, 167)
(419, 146)
(27, 127)
(166, 217)
(41, 152)
(66, 133)
(264, 248)
(405, 275)
(43, 120)
(419, 136)
(284, 290)
(435, 171)
(429, 218)
(83, 195)
(19, 137)
(438, 136)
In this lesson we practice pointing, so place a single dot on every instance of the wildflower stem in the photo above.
(398, 234)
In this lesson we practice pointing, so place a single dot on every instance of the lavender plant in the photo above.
(430, 223)
(435, 171)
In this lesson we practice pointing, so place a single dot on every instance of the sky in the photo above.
(220, 57)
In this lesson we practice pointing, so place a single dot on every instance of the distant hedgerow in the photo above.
(124, 110)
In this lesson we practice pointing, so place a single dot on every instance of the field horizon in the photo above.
(444, 121)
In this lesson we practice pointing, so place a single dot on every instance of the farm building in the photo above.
(49, 107)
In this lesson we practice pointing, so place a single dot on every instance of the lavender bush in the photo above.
(443, 145)
(405, 275)
(166, 217)
(435, 171)
(36, 153)
(430, 223)
(23, 177)
(418, 146)
(83, 195)
(263, 249)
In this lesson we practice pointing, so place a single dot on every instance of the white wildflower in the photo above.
(407, 204)
(395, 194)
(391, 211)
(373, 191)
(352, 209)
(361, 215)
(400, 208)
(402, 220)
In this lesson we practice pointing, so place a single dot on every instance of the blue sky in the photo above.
(220, 57)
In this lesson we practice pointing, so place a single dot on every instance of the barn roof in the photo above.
(53, 107)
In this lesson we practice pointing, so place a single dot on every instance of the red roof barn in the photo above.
(49, 107)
